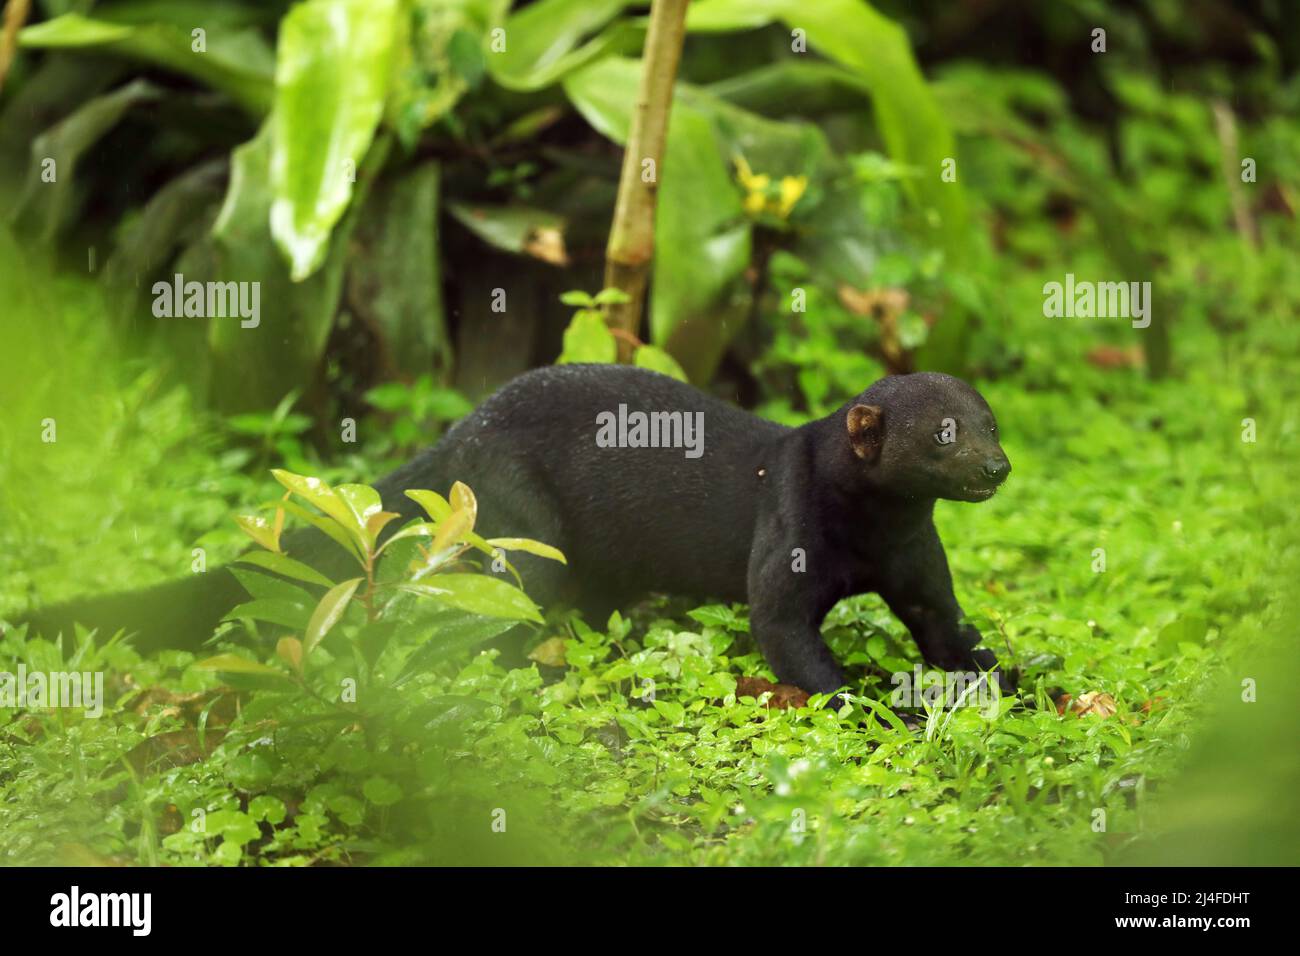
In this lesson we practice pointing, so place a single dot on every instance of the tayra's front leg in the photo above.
(785, 615)
(918, 589)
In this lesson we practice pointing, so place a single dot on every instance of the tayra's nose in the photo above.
(997, 469)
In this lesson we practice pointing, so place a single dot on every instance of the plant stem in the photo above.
(632, 235)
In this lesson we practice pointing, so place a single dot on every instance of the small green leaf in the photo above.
(530, 546)
(657, 360)
(327, 613)
(289, 614)
(434, 504)
(588, 339)
(674, 713)
(282, 564)
(381, 791)
(260, 530)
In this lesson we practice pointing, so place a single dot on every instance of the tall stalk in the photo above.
(632, 235)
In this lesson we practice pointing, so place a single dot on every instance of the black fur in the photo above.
(854, 491)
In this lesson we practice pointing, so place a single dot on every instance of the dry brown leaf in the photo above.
(190, 706)
(547, 243)
(783, 695)
(884, 306)
(1093, 702)
(549, 653)
(176, 748)
(1112, 356)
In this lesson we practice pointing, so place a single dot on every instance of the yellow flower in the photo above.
(792, 190)
(752, 183)
(755, 187)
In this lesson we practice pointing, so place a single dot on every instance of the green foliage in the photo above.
(386, 714)
(368, 121)
(589, 339)
(332, 72)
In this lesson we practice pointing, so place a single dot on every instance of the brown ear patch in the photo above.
(865, 430)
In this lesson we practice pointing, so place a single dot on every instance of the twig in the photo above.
(632, 235)
(15, 16)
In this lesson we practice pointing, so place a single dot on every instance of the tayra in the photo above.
(650, 485)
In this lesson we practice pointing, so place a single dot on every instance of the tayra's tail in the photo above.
(183, 613)
(180, 614)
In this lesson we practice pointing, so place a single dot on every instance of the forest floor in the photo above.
(1132, 563)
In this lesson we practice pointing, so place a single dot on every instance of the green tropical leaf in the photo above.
(236, 62)
(282, 564)
(332, 74)
(327, 613)
(479, 594)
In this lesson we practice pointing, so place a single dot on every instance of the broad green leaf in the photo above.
(234, 664)
(657, 360)
(422, 529)
(544, 41)
(478, 594)
(283, 564)
(328, 526)
(588, 339)
(332, 74)
(434, 504)
(288, 614)
(395, 273)
(266, 587)
(237, 63)
(519, 229)
(462, 498)
(254, 365)
(328, 500)
(327, 613)
(47, 90)
(363, 504)
(530, 546)
(47, 208)
(452, 531)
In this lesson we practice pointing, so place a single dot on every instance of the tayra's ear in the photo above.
(866, 431)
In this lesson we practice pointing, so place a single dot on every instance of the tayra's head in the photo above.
(926, 435)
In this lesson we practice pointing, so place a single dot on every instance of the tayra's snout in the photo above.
(997, 469)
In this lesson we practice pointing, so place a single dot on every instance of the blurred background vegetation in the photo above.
(417, 184)
(383, 169)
